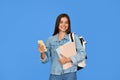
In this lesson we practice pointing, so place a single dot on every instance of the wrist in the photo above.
(42, 52)
(42, 55)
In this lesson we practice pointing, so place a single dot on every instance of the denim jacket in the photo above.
(52, 44)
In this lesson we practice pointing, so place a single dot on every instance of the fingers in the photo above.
(62, 56)
(62, 61)
(41, 48)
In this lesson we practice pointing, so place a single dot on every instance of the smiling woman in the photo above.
(60, 37)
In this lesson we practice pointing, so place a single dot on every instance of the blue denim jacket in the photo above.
(52, 44)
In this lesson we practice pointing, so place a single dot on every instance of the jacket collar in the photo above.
(56, 37)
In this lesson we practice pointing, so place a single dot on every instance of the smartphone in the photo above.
(40, 42)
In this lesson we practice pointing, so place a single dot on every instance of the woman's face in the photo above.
(63, 26)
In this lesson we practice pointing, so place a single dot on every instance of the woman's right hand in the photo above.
(41, 50)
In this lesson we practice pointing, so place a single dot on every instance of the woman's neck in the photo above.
(61, 35)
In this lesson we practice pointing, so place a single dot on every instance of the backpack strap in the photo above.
(71, 37)
(83, 42)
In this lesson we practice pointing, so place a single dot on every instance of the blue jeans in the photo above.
(66, 76)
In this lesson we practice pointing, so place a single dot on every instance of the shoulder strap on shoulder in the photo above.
(71, 37)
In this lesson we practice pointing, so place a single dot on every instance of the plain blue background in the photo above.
(24, 22)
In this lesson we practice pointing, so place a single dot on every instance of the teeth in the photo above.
(64, 27)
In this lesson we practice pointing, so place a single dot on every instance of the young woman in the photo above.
(60, 37)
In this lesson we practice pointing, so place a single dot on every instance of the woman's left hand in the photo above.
(64, 59)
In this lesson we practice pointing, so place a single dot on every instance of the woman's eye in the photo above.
(66, 22)
(61, 21)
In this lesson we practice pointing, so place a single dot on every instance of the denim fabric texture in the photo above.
(66, 76)
(52, 44)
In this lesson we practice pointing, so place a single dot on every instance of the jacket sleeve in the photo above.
(80, 55)
(47, 53)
